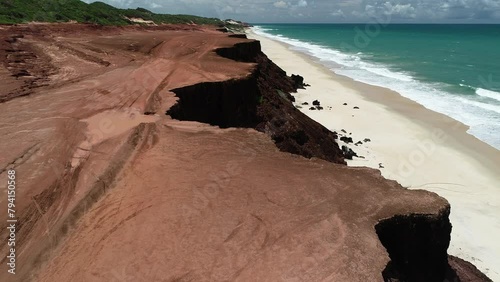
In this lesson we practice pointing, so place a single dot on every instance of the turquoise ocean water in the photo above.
(451, 69)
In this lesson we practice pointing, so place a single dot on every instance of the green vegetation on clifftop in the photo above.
(23, 11)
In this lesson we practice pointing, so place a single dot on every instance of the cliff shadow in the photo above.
(417, 245)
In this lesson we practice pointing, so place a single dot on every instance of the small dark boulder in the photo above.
(380, 165)
(298, 81)
(345, 104)
(358, 143)
(316, 103)
(312, 108)
(346, 139)
(356, 108)
(343, 130)
(367, 140)
(319, 108)
(305, 103)
(348, 153)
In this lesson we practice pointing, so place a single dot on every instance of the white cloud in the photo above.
(370, 11)
(338, 14)
(155, 5)
(403, 11)
(302, 3)
(281, 4)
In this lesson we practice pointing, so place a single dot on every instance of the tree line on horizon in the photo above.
(25, 11)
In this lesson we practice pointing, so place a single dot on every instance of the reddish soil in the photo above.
(108, 193)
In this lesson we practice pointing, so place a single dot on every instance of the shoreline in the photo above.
(416, 146)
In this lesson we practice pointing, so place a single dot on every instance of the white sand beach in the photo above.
(417, 147)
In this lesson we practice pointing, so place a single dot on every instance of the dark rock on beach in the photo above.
(346, 139)
(298, 81)
(348, 152)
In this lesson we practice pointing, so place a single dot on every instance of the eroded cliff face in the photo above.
(417, 245)
(262, 100)
(231, 103)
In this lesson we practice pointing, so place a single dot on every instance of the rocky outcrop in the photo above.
(242, 52)
(466, 271)
(298, 81)
(262, 101)
(230, 103)
(417, 246)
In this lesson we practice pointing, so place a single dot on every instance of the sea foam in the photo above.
(488, 93)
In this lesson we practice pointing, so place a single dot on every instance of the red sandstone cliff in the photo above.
(160, 199)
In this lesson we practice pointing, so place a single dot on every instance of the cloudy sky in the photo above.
(267, 11)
